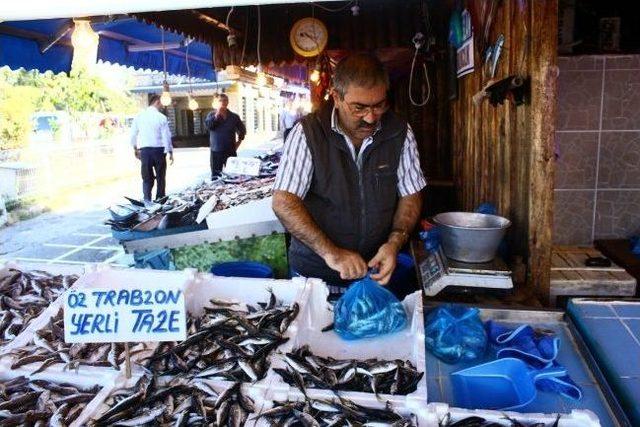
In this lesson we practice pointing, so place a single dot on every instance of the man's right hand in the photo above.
(136, 152)
(349, 264)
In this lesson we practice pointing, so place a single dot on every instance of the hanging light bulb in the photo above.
(315, 76)
(83, 36)
(261, 78)
(165, 98)
(193, 104)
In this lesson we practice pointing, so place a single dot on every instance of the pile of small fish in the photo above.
(48, 348)
(371, 376)
(475, 421)
(24, 295)
(181, 209)
(27, 402)
(332, 413)
(228, 342)
(232, 194)
(170, 212)
(177, 403)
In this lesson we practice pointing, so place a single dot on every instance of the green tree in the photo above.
(17, 103)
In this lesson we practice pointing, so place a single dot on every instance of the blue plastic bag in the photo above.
(368, 310)
(487, 209)
(635, 246)
(454, 333)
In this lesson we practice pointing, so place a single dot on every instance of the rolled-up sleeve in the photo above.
(296, 166)
(410, 176)
(166, 137)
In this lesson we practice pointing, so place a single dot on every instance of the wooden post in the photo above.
(544, 77)
(127, 360)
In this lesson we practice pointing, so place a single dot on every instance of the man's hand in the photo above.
(349, 264)
(385, 262)
(171, 157)
(136, 152)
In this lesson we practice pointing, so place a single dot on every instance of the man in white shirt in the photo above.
(151, 141)
(288, 118)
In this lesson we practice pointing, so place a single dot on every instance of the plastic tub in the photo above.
(252, 269)
(471, 237)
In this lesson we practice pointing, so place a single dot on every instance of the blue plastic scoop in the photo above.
(503, 384)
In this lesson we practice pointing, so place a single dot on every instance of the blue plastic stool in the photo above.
(250, 269)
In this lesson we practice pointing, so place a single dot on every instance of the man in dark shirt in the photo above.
(224, 125)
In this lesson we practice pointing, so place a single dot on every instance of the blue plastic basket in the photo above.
(251, 269)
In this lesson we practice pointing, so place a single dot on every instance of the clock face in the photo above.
(308, 37)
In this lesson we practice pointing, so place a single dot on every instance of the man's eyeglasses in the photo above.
(362, 110)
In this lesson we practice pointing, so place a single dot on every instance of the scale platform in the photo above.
(437, 272)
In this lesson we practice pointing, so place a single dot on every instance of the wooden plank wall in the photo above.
(504, 154)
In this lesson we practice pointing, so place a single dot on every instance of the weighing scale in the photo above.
(437, 272)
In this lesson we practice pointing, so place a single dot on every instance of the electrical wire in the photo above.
(246, 37)
(418, 41)
(229, 16)
(164, 56)
(186, 56)
(333, 10)
(259, 34)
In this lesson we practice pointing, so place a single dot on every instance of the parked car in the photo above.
(51, 127)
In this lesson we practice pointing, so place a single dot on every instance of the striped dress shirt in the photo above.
(296, 166)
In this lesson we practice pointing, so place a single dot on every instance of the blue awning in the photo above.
(22, 43)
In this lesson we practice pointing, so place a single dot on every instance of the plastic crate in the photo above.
(405, 345)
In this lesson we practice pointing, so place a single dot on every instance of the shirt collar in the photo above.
(335, 126)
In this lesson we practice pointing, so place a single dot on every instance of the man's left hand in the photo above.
(171, 157)
(385, 262)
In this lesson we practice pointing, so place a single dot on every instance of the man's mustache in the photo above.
(366, 125)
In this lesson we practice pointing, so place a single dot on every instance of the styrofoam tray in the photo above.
(249, 291)
(407, 344)
(437, 412)
(98, 405)
(25, 336)
(107, 380)
(53, 268)
(98, 276)
(417, 412)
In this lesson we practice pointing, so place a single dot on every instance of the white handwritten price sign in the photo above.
(243, 166)
(149, 313)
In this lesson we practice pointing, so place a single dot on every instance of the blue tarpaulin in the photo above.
(22, 47)
(21, 52)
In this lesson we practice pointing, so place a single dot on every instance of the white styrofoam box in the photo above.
(108, 380)
(249, 291)
(105, 276)
(417, 412)
(25, 336)
(407, 344)
(54, 268)
(99, 406)
(257, 211)
(98, 276)
(242, 290)
(437, 412)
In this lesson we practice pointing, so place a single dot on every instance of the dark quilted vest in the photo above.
(354, 208)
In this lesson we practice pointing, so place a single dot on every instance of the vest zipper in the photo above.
(363, 216)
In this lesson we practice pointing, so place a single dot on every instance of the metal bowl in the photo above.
(471, 237)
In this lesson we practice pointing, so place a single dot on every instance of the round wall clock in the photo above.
(308, 37)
